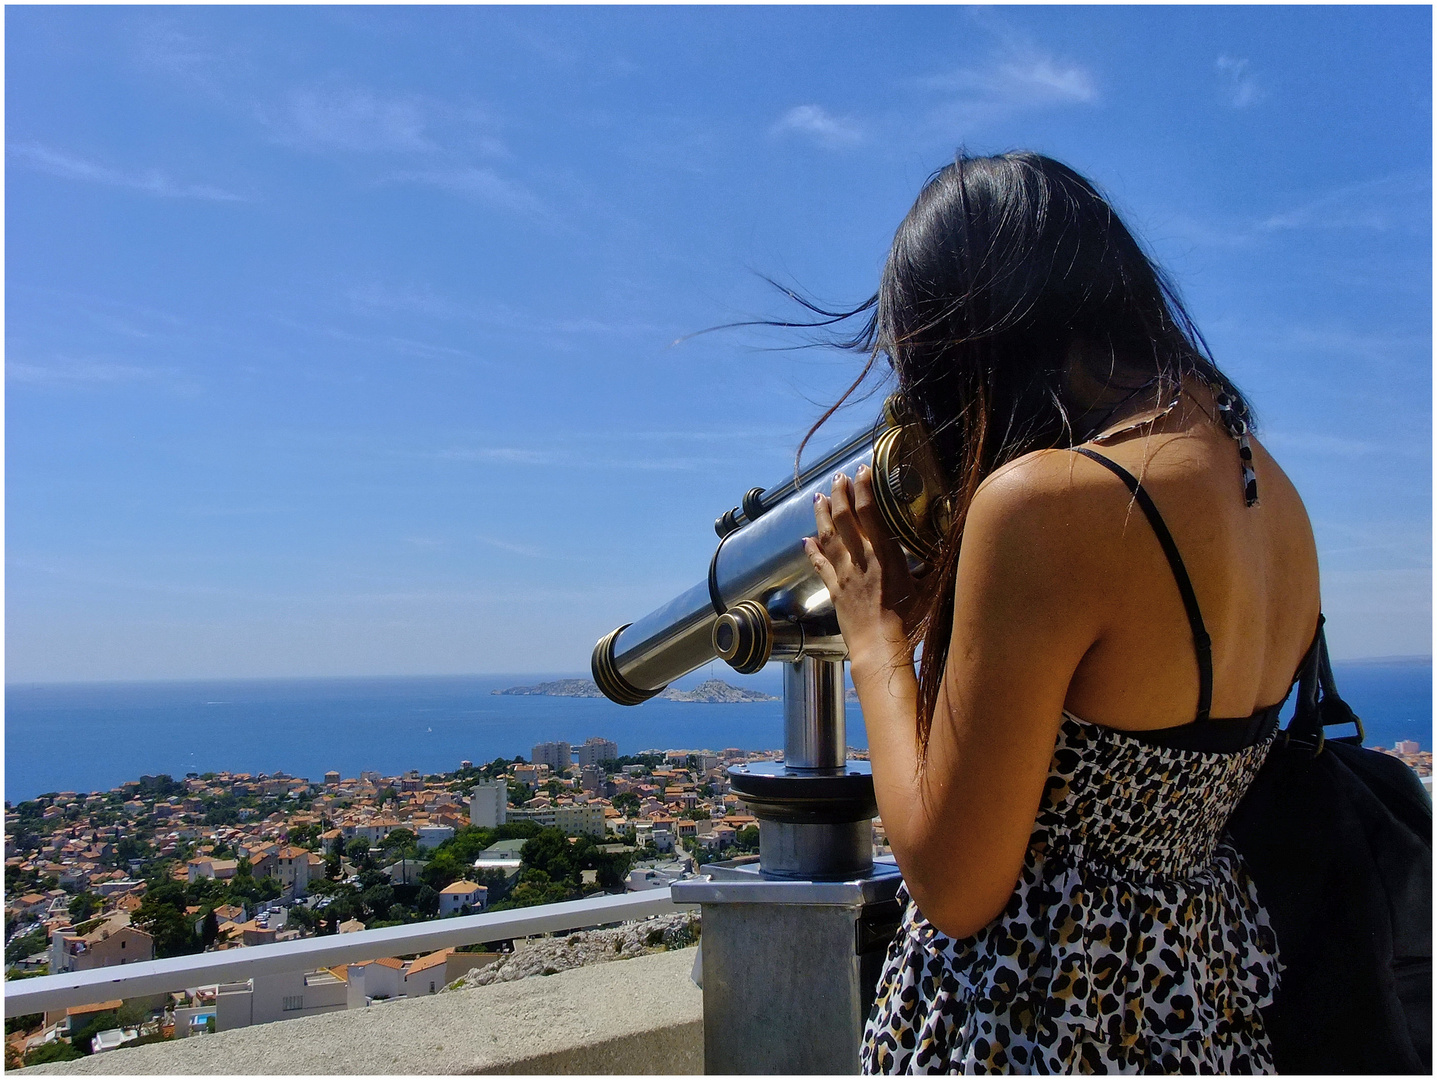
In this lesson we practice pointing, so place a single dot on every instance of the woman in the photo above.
(1048, 776)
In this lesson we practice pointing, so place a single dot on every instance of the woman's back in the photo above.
(1253, 569)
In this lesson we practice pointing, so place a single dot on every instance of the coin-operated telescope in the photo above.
(808, 926)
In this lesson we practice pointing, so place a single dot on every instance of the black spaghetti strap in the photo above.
(1202, 644)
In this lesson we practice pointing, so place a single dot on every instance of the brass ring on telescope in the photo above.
(606, 673)
(907, 485)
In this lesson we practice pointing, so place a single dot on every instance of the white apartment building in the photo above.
(596, 750)
(556, 755)
(433, 835)
(489, 804)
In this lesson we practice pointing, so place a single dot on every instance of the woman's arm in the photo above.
(1028, 604)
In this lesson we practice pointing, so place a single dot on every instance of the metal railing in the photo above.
(70, 988)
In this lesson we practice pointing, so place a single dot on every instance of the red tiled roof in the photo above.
(434, 959)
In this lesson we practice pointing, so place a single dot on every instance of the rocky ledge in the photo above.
(548, 956)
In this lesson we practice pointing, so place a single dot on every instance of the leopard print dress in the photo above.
(1133, 942)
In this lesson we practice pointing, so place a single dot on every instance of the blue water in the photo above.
(93, 736)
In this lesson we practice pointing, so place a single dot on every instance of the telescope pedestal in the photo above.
(789, 968)
(792, 948)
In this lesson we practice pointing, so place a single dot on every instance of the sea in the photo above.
(93, 736)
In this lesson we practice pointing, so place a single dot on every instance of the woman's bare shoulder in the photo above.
(1042, 487)
(1043, 524)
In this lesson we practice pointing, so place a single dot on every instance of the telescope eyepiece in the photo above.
(743, 637)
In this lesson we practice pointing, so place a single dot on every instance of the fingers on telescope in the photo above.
(815, 547)
(820, 564)
(870, 518)
(846, 524)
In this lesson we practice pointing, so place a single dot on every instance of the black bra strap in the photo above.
(1202, 644)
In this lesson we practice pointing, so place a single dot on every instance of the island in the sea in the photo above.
(717, 692)
(557, 688)
(710, 692)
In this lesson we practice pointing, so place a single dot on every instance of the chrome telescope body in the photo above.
(762, 599)
(803, 932)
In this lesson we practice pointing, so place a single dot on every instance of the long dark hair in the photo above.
(1008, 274)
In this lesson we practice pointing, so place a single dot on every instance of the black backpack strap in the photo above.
(1202, 643)
(1318, 704)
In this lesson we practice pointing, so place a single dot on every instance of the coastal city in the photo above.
(160, 867)
(163, 866)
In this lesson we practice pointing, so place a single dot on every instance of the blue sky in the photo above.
(340, 340)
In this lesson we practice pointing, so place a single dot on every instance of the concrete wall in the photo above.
(628, 1016)
(287, 996)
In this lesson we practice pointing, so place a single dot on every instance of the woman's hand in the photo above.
(866, 572)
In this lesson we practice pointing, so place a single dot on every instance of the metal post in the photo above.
(792, 947)
(815, 732)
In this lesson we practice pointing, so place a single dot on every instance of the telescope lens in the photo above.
(723, 638)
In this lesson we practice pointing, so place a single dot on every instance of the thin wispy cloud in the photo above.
(1239, 84)
(1372, 346)
(818, 125)
(477, 183)
(506, 455)
(526, 550)
(1399, 202)
(383, 343)
(576, 458)
(378, 299)
(1402, 200)
(150, 181)
(352, 120)
(207, 67)
(1017, 77)
(424, 350)
(355, 120)
(67, 372)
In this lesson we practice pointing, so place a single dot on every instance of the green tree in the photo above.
(399, 841)
(161, 915)
(333, 866)
(23, 1023)
(358, 851)
(131, 848)
(627, 803)
(25, 945)
(613, 868)
(55, 1051)
(377, 900)
(92, 1027)
(551, 853)
(534, 891)
(210, 929)
(747, 838)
